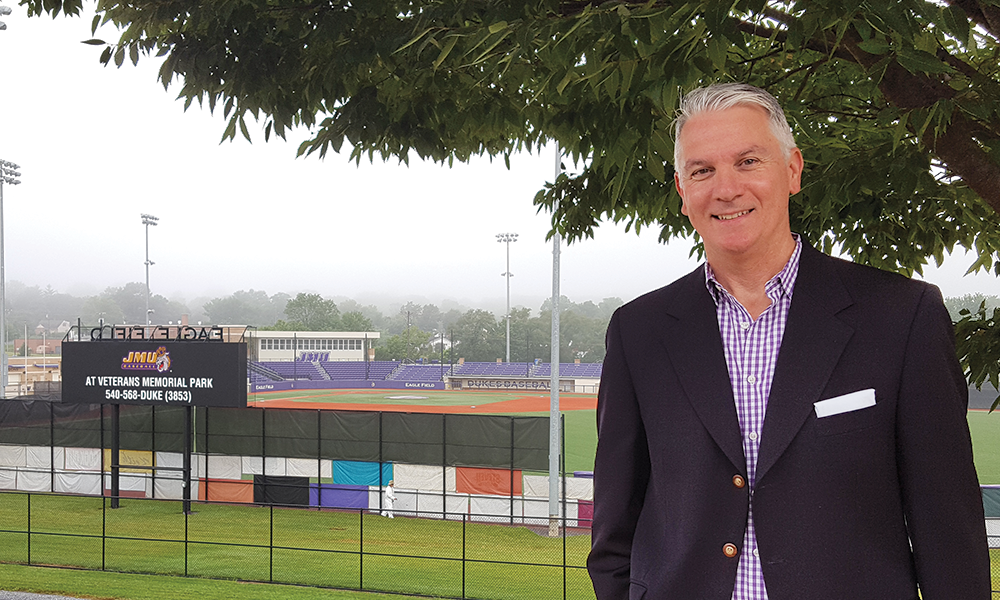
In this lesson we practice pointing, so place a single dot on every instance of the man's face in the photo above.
(735, 182)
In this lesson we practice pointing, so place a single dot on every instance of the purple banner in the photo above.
(338, 496)
(282, 386)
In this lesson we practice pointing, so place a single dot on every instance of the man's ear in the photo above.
(680, 190)
(795, 165)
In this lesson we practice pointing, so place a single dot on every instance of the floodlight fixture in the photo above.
(4, 11)
(9, 174)
(148, 220)
(507, 238)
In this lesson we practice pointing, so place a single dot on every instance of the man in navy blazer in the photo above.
(779, 424)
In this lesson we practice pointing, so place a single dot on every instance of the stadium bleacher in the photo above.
(298, 369)
(421, 373)
(569, 370)
(493, 369)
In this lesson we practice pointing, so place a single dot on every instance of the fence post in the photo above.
(512, 470)
(361, 548)
(104, 529)
(52, 444)
(444, 467)
(29, 529)
(152, 446)
(187, 516)
(381, 483)
(319, 460)
(115, 454)
(564, 551)
(270, 575)
(465, 517)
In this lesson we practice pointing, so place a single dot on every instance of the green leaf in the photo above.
(918, 62)
(449, 44)
(956, 22)
(412, 41)
(498, 27)
(656, 168)
(566, 80)
(243, 129)
(874, 46)
(119, 56)
(94, 42)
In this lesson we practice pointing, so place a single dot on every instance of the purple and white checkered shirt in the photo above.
(751, 349)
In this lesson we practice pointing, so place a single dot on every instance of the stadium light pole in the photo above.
(554, 420)
(8, 174)
(507, 238)
(147, 220)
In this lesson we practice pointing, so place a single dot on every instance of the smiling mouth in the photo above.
(734, 215)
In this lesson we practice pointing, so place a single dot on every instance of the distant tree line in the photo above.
(413, 332)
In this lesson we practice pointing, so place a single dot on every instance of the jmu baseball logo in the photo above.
(158, 361)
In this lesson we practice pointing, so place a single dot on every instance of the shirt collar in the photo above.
(783, 281)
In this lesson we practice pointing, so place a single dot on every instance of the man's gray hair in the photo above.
(721, 96)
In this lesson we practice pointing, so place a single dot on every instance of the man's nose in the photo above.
(728, 186)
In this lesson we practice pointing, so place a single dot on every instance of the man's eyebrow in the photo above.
(752, 150)
(695, 163)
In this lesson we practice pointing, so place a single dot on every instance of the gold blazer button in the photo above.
(738, 481)
(730, 550)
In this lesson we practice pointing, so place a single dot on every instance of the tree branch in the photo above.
(985, 16)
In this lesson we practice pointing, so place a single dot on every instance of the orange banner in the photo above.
(494, 482)
(225, 490)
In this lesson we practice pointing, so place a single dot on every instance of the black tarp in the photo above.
(272, 489)
(414, 438)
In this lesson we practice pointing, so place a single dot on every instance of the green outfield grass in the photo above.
(317, 548)
(985, 429)
(386, 396)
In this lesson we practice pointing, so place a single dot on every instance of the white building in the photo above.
(313, 345)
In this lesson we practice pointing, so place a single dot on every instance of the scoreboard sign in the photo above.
(155, 372)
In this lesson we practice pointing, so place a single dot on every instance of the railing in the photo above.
(463, 556)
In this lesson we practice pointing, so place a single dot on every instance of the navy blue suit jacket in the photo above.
(839, 499)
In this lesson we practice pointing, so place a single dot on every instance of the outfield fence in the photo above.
(466, 555)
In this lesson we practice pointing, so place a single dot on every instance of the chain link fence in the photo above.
(463, 556)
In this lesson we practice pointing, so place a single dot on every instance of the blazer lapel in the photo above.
(813, 342)
(692, 340)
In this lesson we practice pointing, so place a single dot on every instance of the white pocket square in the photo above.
(846, 403)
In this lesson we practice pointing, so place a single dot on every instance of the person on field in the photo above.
(387, 501)
(779, 424)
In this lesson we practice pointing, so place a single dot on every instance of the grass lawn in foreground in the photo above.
(121, 586)
(125, 586)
